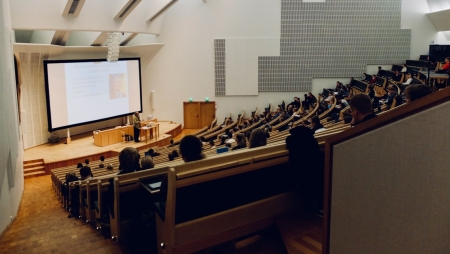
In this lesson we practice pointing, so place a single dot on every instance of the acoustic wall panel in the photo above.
(336, 38)
(219, 55)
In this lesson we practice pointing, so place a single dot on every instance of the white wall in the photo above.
(422, 30)
(184, 67)
(11, 182)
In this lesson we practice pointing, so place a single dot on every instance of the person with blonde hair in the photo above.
(258, 138)
(147, 163)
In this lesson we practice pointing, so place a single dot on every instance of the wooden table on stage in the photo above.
(154, 128)
(112, 136)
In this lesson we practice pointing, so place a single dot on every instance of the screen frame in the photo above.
(47, 91)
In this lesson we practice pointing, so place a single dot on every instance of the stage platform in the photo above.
(82, 147)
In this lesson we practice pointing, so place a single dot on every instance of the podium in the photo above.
(112, 136)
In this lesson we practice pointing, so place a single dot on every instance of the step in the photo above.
(301, 232)
(33, 161)
(34, 169)
(33, 164)
(34, 174)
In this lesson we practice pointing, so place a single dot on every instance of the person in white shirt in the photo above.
(409, 79)
(404, 69)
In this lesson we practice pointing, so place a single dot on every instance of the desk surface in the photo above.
(435, 75)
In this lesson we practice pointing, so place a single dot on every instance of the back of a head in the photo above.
(151, 151)
(415, 92)
(102, 158)
(315, 120)
(85, 172)
(147, 162)
(257, 138)
(191, 148)
(241, 140)
(109, 167)
(129, 159)
(86, 161)
(171, 157)
(211, 142)
(362, 103)
(171, 141)
(347, 119)
(79, 165)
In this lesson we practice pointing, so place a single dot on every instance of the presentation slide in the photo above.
(87, 91)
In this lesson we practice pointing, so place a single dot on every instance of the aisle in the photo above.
(42, 226)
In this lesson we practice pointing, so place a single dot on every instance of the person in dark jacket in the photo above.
(306, 162)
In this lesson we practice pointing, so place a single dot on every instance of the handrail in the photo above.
(397, 114)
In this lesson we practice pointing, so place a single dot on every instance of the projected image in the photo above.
(84, 91)
(117, 86)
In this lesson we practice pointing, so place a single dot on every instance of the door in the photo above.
(207, 113)
(191, 115)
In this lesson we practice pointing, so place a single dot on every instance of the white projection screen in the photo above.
(87, 91)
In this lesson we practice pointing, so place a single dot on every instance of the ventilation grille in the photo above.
(74, 6)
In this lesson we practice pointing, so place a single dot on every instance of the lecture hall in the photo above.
(224, 126)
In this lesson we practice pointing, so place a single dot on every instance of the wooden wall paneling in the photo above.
(191, 115)
(207, 113)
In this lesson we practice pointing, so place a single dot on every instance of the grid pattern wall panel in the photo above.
(219, 61)
(336, 38)
(438, 5)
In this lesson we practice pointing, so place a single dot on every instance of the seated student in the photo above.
(404, 68)
(191, 149)
(86, 161)
(338, 86)
(295, 103)
(446, 67)
(257, 138)
(230, 139)
(305, 102)
(109, 167)
(171, 157)
(351, 83)
(175, 153)
(79, 165)
(153, 153)
(284, 117)
(392, 93)
(85, 173)
(128, 160)
(241, 142)
(397, 76)
(316, 126)
(212, 144)
(409, 81)
(415, 92)
(379, 71)
(361, 106)
(373, 81)
(171, 142)
(364, 77)
(147, 163)
(102, 159)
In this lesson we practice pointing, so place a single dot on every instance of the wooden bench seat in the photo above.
(217, 199)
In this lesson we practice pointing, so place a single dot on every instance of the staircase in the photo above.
(33, 168)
